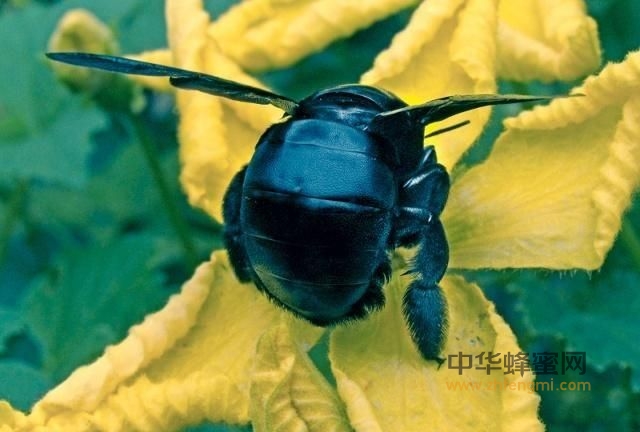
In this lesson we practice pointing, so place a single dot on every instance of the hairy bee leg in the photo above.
(424, 305)
(232, 234)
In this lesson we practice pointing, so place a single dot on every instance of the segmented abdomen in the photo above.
(316, 216)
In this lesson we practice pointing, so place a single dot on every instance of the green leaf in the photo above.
(616, 26)
(596, 315)
(11, 324)
(122, 194)
(556, 313)
(219, 428)
(91, 299)
(600, 399)
(44, 129)
(44, 132)
(606, 402)
(21, 384)
(56, 154)
(138, 25)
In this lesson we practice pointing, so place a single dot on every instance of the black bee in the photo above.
(333, 188)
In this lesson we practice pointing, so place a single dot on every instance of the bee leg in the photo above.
(424, 305)
(421, 198)
(232, 233)
(428, 185)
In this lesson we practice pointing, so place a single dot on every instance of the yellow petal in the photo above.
(185, 364)
(388, 387)
(552, 192)
(288, 393)
(10, 418)
(447, 48)
(546, 40)
(267, 34)
(217, 136)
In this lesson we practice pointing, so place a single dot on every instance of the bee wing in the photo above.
(440, 109)
(179, 78)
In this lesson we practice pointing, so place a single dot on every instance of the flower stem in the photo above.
(14, 208)
(631, 241)
(175, 216)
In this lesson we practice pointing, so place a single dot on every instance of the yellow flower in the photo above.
(550, 195)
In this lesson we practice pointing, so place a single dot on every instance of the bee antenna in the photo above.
(447, 129)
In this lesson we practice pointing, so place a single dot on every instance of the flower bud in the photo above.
(81, 31)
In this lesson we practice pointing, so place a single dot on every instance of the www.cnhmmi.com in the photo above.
(529, 387)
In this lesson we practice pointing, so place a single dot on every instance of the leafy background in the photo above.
(95, 233)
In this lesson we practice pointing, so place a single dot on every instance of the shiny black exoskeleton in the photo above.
(312, 217)
(335, 186)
